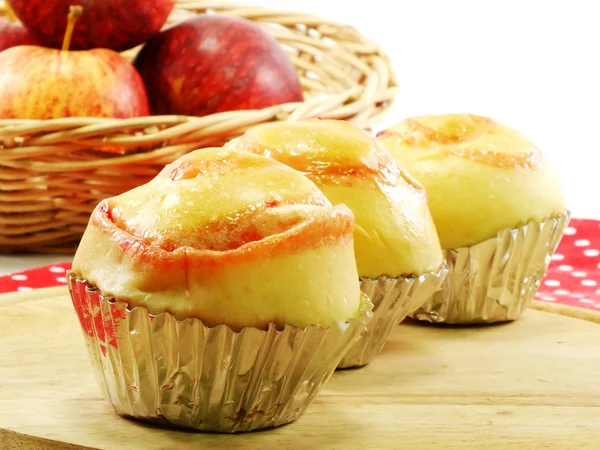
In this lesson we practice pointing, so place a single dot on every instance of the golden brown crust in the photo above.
(394, 232)
(375, 165)
(416, 134)
(227, 237)
(480, 176)
(320, 229)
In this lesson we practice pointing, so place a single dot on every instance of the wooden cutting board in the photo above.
(530, 384)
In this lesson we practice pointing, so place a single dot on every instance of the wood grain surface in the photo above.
(531, 384)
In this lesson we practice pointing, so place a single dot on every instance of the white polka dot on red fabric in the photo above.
(24, 288)
(57, 269)
(548, 298)
(18, 277)
(61, 279)
(573, 277)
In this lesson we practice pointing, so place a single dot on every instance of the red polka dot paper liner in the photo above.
(573, 277)
(181, 372)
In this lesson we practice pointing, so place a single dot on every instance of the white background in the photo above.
(534, 65)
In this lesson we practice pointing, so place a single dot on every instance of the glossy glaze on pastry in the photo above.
(227, 237)
(480, 176)
(394, 232)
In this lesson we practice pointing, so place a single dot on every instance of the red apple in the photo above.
(43, 83)
(114, 24)
(13, 33)
(211, 64)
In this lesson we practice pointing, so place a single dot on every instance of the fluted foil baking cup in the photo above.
(157, 369)
(496, 280)
(393, 300)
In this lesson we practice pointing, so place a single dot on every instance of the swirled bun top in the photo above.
(227, 237)
(394, 234)
(480, 176)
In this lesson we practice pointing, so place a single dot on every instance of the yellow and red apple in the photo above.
(43, 83)
(113, 24)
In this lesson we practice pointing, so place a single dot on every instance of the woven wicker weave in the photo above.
(53, 172)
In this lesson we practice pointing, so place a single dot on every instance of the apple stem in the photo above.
(10, 13)
(75, 12)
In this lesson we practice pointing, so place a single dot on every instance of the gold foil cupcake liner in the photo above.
(496, 280)
(157, 369)
(393, 300)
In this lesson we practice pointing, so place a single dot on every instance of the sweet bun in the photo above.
(394, 234)
(480, 176)
(227, 237)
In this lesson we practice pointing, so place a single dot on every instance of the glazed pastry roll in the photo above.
(483, 179)
(394, 234)
(227, 238)
(219, 296)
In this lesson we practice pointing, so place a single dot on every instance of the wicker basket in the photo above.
(53, 172)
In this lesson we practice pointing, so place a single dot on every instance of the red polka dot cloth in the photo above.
(41, 277)
(573, 277)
